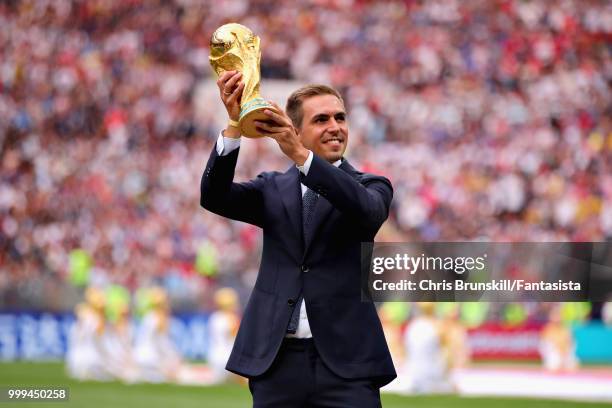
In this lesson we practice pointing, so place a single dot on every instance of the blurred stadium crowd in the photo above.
(493, 119)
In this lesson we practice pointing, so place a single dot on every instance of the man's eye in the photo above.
(340, 118)
(321, 119)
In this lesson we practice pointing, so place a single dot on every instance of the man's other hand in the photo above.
(280, 128)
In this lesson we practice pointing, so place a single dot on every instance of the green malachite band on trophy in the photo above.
(253, 105)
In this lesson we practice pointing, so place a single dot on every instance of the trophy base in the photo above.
(252, 111)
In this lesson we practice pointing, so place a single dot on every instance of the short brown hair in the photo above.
(294, 102)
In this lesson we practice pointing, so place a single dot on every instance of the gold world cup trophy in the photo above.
(235, 47)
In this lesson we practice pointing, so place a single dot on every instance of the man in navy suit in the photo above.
(306, 338)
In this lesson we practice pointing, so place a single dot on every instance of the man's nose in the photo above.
(334, 126)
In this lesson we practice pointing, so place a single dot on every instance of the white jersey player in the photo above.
(118, 340)
(85, 359)
(155, 354)
(557, 346)
(427, 362)
(222, 328)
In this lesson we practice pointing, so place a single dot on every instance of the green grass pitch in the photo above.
(114, 394)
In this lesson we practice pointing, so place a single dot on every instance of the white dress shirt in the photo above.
(225, 145)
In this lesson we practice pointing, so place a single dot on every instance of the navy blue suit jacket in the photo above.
(351, 208)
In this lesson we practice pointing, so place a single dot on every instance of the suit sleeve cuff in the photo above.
(226, 145)
(306, 166)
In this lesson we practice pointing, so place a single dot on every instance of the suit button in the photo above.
(305, 268)
(291, 302)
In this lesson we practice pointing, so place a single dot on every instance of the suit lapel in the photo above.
(323, 209)
(346, 166)
(288, 185)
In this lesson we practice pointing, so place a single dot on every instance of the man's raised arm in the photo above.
(218, 192)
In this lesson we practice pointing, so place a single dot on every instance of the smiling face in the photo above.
(324, 128)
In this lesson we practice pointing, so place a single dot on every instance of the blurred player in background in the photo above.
(606, 313)
(155, 354)
(455, 332)
(118, 344)
(86, 357)
(427, 352)
(223, 325)
(557, 346)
